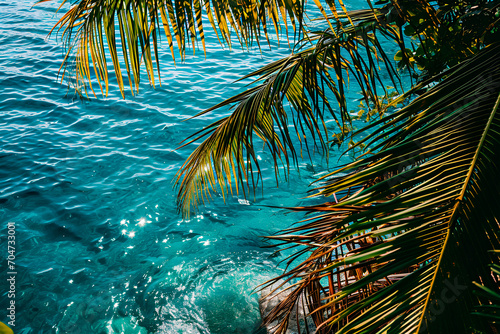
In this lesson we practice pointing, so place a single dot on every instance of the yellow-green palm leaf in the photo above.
(289, 106)
(130, 31)
(416, 218)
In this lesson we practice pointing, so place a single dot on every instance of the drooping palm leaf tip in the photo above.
(399, 253)
(288, 107)
(131, 31)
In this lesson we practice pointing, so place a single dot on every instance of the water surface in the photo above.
(100, 246)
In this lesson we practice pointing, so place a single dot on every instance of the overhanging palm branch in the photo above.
(90, 28)
(308, 81)
(398, 253)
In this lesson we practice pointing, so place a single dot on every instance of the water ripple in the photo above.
(88, 182)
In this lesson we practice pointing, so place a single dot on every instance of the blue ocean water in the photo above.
(100, 246)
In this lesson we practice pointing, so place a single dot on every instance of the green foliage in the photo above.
(442, 36)
(398, 253)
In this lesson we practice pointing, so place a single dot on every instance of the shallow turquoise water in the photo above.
(100, 246)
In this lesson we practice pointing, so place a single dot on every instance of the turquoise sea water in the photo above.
(100, 247)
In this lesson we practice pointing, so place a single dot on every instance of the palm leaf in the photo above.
(90, 28)
(307, 82)
(417, 216)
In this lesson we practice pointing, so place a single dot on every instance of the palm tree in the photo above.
(414, 220)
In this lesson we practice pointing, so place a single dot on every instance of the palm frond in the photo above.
(417, 216)
(90, 28)
(307, 81)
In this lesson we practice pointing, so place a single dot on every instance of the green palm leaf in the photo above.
(307, 81)
(90, 28)
(418, 214)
